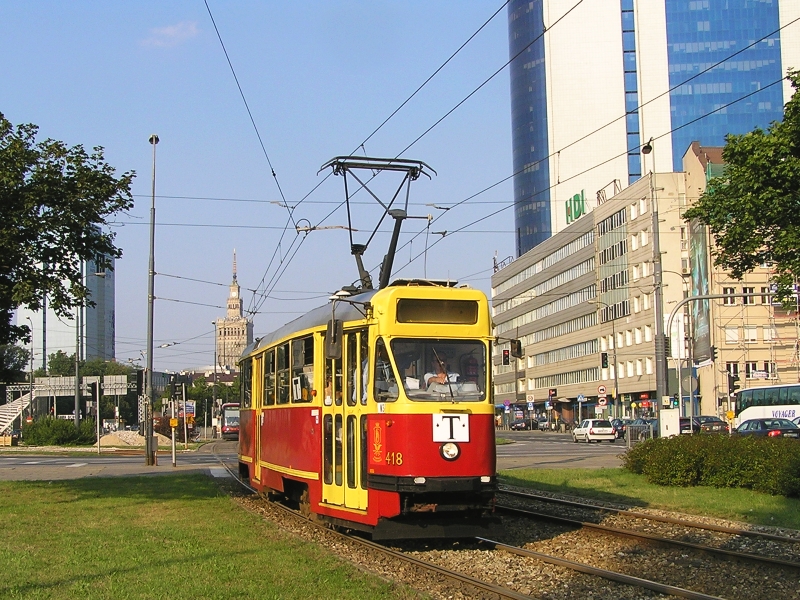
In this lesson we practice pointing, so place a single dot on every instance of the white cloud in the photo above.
(172, 35)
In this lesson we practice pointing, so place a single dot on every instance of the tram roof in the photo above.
(344, 311)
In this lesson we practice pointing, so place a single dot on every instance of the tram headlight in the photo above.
(449, 451)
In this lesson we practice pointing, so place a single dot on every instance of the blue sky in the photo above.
(319, 78)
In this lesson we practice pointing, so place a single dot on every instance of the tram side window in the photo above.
(302, 369)
(352, 364)
(247, 383)
(385, 381)
(269, 378)
(283, 373)
(364, 362)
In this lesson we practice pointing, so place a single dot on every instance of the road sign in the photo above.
(601, 390)
(506, 403)
(529, 398)
(173, 423)
(530, 405)
(602, 401)
(581, 398)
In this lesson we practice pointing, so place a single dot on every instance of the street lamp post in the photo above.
(148, 401)
(214, 384)
(660, 347)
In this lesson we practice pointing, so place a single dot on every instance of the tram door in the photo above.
(344, 424)
(256, 401)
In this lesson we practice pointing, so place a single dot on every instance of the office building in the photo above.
(593, 82)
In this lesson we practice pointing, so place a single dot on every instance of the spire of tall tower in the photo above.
(234, 264)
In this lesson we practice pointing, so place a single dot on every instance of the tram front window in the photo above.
(438, 370)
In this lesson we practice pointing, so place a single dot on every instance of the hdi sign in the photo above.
(576, 207)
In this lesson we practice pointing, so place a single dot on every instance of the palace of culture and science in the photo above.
(234, 331)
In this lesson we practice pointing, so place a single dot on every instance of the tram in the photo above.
(340, 412)
(229, 421)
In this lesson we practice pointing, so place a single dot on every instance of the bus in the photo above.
(229, 421)
(768, 402)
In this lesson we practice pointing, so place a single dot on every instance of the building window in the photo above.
(642, 206)
(731, 335)
(636, 271)
(765, 299)
(770, 334)
(750, 369)
(638, 366)
(620, 342)
(648, 333)
(637, 304)
(748, 299)
(750, 334)
(732, 368)
(628, 338)
(731, 299)
(646, 305)
(634, 242)
(771, 369)
(638, 335)
(648, 365)
(644, 237)
(634, 211)
(630, 368)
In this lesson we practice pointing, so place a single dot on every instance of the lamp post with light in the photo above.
(148, 401)
(214, 384)
(660, 346)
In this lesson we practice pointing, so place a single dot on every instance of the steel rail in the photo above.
(659, 518)
(721, 552)
(661, 588)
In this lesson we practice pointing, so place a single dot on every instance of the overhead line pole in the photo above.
(148, 401)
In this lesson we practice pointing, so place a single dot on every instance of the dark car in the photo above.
(620, 427)
(690, 425)
(643, 428)
(769, 428)
(520, 425)
(713, 425)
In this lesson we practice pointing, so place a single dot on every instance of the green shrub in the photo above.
(765, 465)
(48, 431)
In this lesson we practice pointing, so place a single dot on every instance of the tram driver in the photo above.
(439, 373)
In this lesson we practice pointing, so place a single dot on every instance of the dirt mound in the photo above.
(130, 438)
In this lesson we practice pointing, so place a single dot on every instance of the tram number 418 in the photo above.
(394, 458)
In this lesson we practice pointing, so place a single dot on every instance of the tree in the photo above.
(59, 364)
(752, 209)
(54, 202)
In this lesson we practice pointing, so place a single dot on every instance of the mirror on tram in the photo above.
(333, 340)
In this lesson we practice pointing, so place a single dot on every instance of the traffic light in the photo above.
(667, 346)
(93, 396)
(733, 384)
(516, 348)
(713, 353)
(675, 402)
(139, 382)
(604, 360)
(506, 359)
(552, 393)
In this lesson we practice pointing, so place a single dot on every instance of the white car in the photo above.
(591, 430)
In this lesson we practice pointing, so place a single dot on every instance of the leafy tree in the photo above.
(59, 364)
(752, 209)
(13, 361)
(54, 200)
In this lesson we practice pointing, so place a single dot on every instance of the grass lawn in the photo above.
(171, 537)
(619, 485)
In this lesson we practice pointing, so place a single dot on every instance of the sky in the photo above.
(318, 79)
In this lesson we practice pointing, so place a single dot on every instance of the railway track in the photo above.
(488, 568)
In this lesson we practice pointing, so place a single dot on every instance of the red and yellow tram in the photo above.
(341, 412)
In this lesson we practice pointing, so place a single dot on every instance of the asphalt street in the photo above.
(527, 450)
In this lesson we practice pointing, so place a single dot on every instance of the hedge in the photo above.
(49, 431)
(769, 465)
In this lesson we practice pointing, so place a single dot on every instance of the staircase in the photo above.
(10, 412)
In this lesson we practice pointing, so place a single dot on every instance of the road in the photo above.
(528, 450)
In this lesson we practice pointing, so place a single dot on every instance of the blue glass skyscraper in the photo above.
(592, 82)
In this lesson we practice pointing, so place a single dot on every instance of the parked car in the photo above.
(769, 428)
(620, 427)
(713, 425)
(690, 425)
(520, 425)
(796, 421)
(594, 430)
